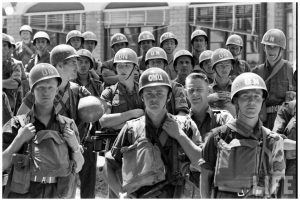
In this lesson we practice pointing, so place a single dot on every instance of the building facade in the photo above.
(219, 20)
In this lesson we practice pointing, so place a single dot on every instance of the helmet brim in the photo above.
(47, 78)
(265, 93)
(154, 85)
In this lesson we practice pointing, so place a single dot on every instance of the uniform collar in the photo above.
(122, 88)
(245, 130)
(214, 83)
(208, 111)
(32, 114)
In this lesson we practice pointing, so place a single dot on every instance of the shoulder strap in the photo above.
(275, 70)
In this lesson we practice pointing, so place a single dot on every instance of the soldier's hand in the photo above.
(26, 133)
(290, 95)
(135, 113)
(223, 95)
(172, 128)
(70, 137)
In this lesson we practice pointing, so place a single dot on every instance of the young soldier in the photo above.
(219, 97)
(24, 48)
(90, 43)
(41, 41)
(200, 112)
(235, 45)
(75, 39)
(156, 57)
(161, 137)
(88, 173)
(205, 65)
(168, 43)
(108, 70)
(243, 159)
(199, 41)
(145, 41)
(278, 75)
(183, 65)
(43, 167)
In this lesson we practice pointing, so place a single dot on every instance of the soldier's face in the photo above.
(76, 42)
(250, 102)
(116, 47)
(146, 45)
(69, 69)
(17, 72)
(45, 91)
(6, 49)
(197, 92)
(272, 52)
(199, 43)
(41, 44)
(235, 50)
(159, 63)
(169, 46)
(184, 66)
(223, 68)
(124, 69)
(155, 98)
(84, 65)
(25, 36)
(207, 66)
(89, 45)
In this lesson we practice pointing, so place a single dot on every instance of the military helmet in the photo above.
(246, 81)
(91, 108)
(274, 37)
(219, 55)
(235, 40)
(154, 77)
(25, 28)
(118, 38)
(166, 36)
(126, 55)
(198, 32)
(62, 52)
(181, 53)
(42, 71)
(145, 35)
(88, 35)
(205, 55)
(72, 34)
(86, 53)
(41, 34)
(156, 53)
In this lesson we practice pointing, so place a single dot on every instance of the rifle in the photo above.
(103, 140)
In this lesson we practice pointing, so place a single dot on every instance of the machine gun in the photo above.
(103, 140)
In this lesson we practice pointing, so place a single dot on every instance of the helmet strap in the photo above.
(131, 72)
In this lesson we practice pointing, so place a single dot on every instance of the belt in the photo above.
(44, 180)
(239, 192)
(273, 109)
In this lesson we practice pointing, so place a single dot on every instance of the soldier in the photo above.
(183, 65)
(205, 65)
(285, 124)
(277, 74)
(161, 137)
(157, 57)
(219, 97)
(243, 159)
(199, 41)
(41, 41)
(90, 43)
(24, 48)
(235, 45)
(146, 41)
(88, 173)
(75, 39)
(168, 43)
(11, 74)
(44, 166)
(109, 73)
(122, 99)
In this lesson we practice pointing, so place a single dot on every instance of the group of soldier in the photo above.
(199, 124)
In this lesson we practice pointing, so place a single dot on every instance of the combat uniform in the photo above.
(40, 186)
(88, 172)
(170, 70)
(36, 59)
(277, 87)
(142, 63)
(23, 52)
(222, 104)
(271, 165)
(239, 66)
(173, 158)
